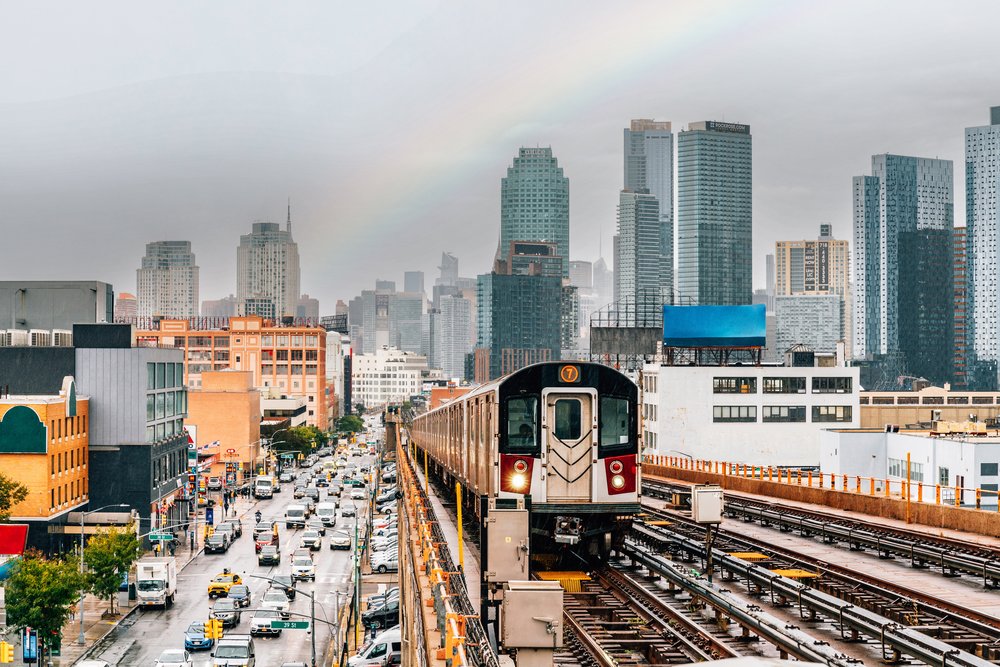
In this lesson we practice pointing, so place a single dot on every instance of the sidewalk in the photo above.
(96, 628)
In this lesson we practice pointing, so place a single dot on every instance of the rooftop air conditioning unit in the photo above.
(13, 338)
(40, 338)
(62, 338)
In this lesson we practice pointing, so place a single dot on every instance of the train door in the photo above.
(569, 445)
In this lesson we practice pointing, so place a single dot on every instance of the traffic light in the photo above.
(213, 629)
(6, 653)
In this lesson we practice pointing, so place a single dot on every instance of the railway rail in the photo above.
(906, 623)
(952, 557)
(620, 623)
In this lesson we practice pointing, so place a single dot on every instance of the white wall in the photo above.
(686, 424)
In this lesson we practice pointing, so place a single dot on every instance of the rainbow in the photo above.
(628, 45)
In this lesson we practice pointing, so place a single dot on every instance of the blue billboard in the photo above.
(714, 326)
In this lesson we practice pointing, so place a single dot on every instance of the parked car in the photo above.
(377, 651)
(380, 599)
(387, 563)
(269, 555)
(384, 617)
(214, 484)
(237, 527)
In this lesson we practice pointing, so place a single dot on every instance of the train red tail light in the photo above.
(620, 472)
(515, 473)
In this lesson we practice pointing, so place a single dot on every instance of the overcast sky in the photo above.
(390, 124)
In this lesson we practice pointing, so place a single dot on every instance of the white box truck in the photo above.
(156, 581)
(263, 486)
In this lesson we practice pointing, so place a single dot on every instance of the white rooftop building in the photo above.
(760, 415)
(386, 375)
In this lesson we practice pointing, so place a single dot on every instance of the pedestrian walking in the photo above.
(172, 546)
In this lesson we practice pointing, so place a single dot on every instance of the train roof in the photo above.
(604, 372)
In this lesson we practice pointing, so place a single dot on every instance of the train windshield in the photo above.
(614, 425)
(522, 425)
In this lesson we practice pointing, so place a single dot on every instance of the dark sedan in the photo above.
(269, 555)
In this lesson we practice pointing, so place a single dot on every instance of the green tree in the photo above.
(12, 492)
(108, 554)
(40, 592)
(350, 424)
(359, 408)
(318, 435)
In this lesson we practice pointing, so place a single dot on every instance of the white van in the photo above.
(295, 516)
(378, 650)
(327, 512)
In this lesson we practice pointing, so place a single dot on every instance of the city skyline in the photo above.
(218, 181)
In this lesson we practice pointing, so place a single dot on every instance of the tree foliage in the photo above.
(40, 592)
(350, 424)
(12, 492)
(108, 554)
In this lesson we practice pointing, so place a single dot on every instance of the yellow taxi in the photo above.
(220, 585)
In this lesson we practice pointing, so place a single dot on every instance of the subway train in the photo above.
(562, 435)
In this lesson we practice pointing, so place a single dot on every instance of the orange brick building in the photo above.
(44, 444)
(226, 409)
(289, 360)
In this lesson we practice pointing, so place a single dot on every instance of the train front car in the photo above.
(569, 439)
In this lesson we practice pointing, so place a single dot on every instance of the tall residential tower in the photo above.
(649, 168)
(534, 203)
(167, 281)
(982, 238)
(903, 280)
(714, 214)
(267, 271)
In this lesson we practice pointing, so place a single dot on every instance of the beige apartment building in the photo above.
(285, 360)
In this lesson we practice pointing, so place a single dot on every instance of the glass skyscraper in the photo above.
(639, 263)
(903, 275)
(534, 203)
(649, 167)
(982, 269)
(714, 214)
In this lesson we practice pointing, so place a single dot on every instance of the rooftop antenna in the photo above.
(288, 224)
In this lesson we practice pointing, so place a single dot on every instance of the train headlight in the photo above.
(519, 481)
(618, 481)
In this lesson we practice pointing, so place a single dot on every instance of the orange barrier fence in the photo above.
(958, 496)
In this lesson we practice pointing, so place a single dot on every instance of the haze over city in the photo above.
(390, 130)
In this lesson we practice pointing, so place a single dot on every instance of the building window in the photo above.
(312, 355)
(734, 385)
(958, 400)
(831, 413)
(988, 469)
(897, 468)
(282, 355)
(312, 341)
(161, 373)
(831, 385)
(734, 413)
(944, 477)
(296, 355)
(150, 376)
(785, 385)
(296, 341)
(784, 413)
(982, 400)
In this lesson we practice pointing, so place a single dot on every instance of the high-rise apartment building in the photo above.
(307, 308)
(960, 378)
(714, 214)
(126, 307)
(815, 267)
(451, 335)
(387, 375)
(581, 274)
(813, 320)
(903, 282)
(534, 203)
(267, 271)
(982, 238)
(649, 167)
(406, 312)
(639, 264)
(224, 307)
(167, 280)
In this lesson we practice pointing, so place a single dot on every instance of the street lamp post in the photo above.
(81, 640)
(357, 578)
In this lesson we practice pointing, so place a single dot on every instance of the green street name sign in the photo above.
(290, 625)
(160, 537)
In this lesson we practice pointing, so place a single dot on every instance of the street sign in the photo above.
(289, 625)
(160, 537)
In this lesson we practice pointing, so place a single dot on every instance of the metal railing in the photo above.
(888, 487)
